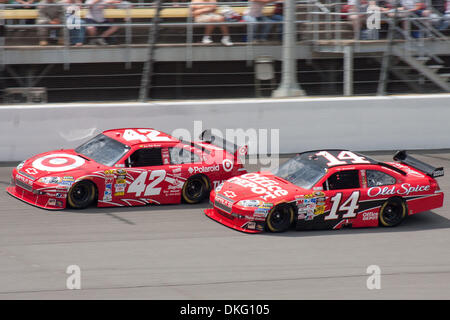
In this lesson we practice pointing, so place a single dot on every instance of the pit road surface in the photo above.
(176, 252)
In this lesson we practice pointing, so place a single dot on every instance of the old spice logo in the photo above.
(403, 190)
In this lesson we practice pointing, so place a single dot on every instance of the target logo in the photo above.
(58, 162)
(243, 150)
(227, 165)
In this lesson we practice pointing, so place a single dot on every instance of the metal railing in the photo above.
(312, 18)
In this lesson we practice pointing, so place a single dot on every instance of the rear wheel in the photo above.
(81, 195)
(280, 218)
(195, 189)
(392, 212)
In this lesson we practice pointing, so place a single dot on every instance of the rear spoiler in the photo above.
(208, 137)
(419, 165)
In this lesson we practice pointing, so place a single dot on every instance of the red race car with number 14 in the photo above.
(328, 189)
(127, 167)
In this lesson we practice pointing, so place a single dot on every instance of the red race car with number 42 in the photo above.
(127, 167)
(328, 189)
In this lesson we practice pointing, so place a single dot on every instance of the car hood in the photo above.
(58, 163)
(263, 186)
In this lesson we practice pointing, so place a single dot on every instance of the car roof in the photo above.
(322, 161)
(134, 136)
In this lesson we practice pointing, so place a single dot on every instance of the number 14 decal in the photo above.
(349, 206)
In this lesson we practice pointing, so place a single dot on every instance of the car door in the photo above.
(146, 178)
(342, 192)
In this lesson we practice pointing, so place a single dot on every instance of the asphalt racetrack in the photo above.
(176, 252)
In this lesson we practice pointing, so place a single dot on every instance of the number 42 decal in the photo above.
(349, 206)
(139, 185)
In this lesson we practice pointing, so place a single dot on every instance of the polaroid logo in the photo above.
(204, 169)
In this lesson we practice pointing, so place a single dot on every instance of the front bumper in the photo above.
(51, 198)
(242, 225)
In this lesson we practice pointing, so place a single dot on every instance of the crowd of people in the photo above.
(95, 28)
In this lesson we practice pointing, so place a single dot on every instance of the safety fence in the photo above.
(324, 26)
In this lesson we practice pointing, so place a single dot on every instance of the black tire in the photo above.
(392, 212)
(81, 195)
(280, 218)
(195, 189)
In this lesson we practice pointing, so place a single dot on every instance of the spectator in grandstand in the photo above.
(96, 15)
(25, 4)
(356, 15)
(49, 14)
(411, 7)
(277, 15)
(74, 22)
(439, 18)
(254, 13)
(204, 11)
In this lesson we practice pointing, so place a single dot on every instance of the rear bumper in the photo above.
(234, 223)
(37, 200)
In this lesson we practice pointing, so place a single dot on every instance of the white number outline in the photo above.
(140, 184)
(144, 135)
(350, 206)
(343, 155)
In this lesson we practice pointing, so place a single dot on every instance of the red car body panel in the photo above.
(119, 185)
(318, 207)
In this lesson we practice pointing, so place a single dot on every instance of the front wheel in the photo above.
(195, 189)
(392, 212)
(81, 195)
(280, 218)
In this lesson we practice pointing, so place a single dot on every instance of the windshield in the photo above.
(301, 172)
(103, 150)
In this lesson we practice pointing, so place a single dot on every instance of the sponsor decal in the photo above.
(68, 178)
(227, 165)
(194, 170)
(251, 225)
(165, 156)
(51, 202)
(370, 216)
(363, 178)
(319, 210)
(59, 203)
(31, 171)
(407, 169)
(224, 202)
(58, 162)
(404, 190)
(438, 173)
(107, 195)
(24, 179)
(229, 194)
(61, 195)
(217, 183)
(66, 183)
(261, 185)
